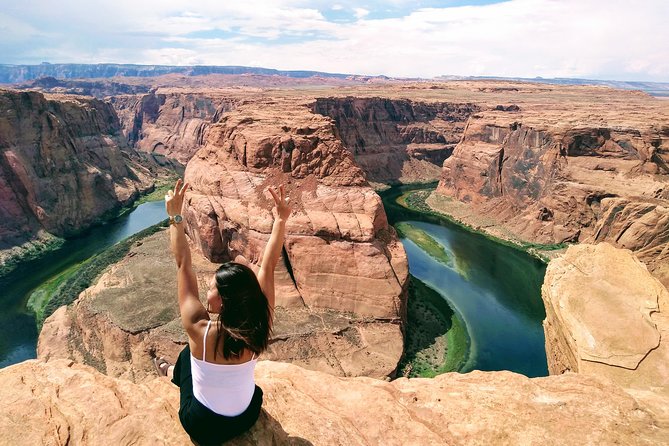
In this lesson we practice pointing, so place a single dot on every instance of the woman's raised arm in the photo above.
(190, 307)
(275, 244)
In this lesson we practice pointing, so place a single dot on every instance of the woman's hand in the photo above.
(281, 206)
(174, 200)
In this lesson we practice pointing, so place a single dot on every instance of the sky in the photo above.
(595, 39)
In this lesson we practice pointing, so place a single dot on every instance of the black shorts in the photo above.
(204, 426)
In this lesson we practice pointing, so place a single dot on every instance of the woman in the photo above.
(219, 399)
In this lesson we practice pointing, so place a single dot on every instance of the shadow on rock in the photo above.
(268, 431)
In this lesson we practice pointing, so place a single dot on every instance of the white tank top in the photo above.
(226, 389)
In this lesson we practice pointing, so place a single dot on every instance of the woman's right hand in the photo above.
(281, 206)
(174, 200)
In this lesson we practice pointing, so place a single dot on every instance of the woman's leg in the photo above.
(180, 373)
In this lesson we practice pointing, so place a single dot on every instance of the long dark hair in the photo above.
(245, 318)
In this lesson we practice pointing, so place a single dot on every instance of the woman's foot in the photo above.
(163, 368)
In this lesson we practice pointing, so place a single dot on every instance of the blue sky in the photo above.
(599, 39)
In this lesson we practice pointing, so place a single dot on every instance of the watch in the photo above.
(176, 219)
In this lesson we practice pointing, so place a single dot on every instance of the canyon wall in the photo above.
(173, 124)
(341, 283)
(340, 252)
(397, 140)
(550, 182)
(341, 290)
(61, 166)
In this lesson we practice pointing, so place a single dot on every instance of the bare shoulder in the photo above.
(196, 336)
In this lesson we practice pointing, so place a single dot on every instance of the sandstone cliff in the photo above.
(576, 171)
(606, 316)
(397, 140)
(340, 252)
(170, 123)
(61, 166)
(618, 394)
(63, 403)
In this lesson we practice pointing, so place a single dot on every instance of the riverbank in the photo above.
(423, 199)
(64, 288)
(47, 243)
(426, 243)
(436, 338)
(493, 287)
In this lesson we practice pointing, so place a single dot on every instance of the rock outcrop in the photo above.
(61, 166)
(171, 123)
(63, 403)
(397, 140)
(131, 313)
(340, 252)
(606, 316)
(576, 171)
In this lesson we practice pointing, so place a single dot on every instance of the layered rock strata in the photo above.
(63, 403)
(61, 166)
(170, 123)
(606, 316)
(397, 140)
(131, 313)
(340, 253)
(550, 179)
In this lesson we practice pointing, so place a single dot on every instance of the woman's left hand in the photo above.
(281, 206)
(174, 200)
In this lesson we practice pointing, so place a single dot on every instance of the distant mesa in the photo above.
(10, 74)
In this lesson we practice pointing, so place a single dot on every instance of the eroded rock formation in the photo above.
(340, 252)
(174, 124)
(578, 172)
(61, 165)
(607, 316)
(397, 140)
(63, 403)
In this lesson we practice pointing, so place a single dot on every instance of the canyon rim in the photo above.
(539, 166)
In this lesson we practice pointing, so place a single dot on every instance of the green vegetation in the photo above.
(412, 198)
(162, 186)
(421, 238)
(66, 287)
(41, 296)
(436, 338)
(29, 251)
(39, 248)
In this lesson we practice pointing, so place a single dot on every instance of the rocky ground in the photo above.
(607, 316)
(51, 402)
(547, 164)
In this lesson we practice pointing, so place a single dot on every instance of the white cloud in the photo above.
(548, 38)
(360, 12)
